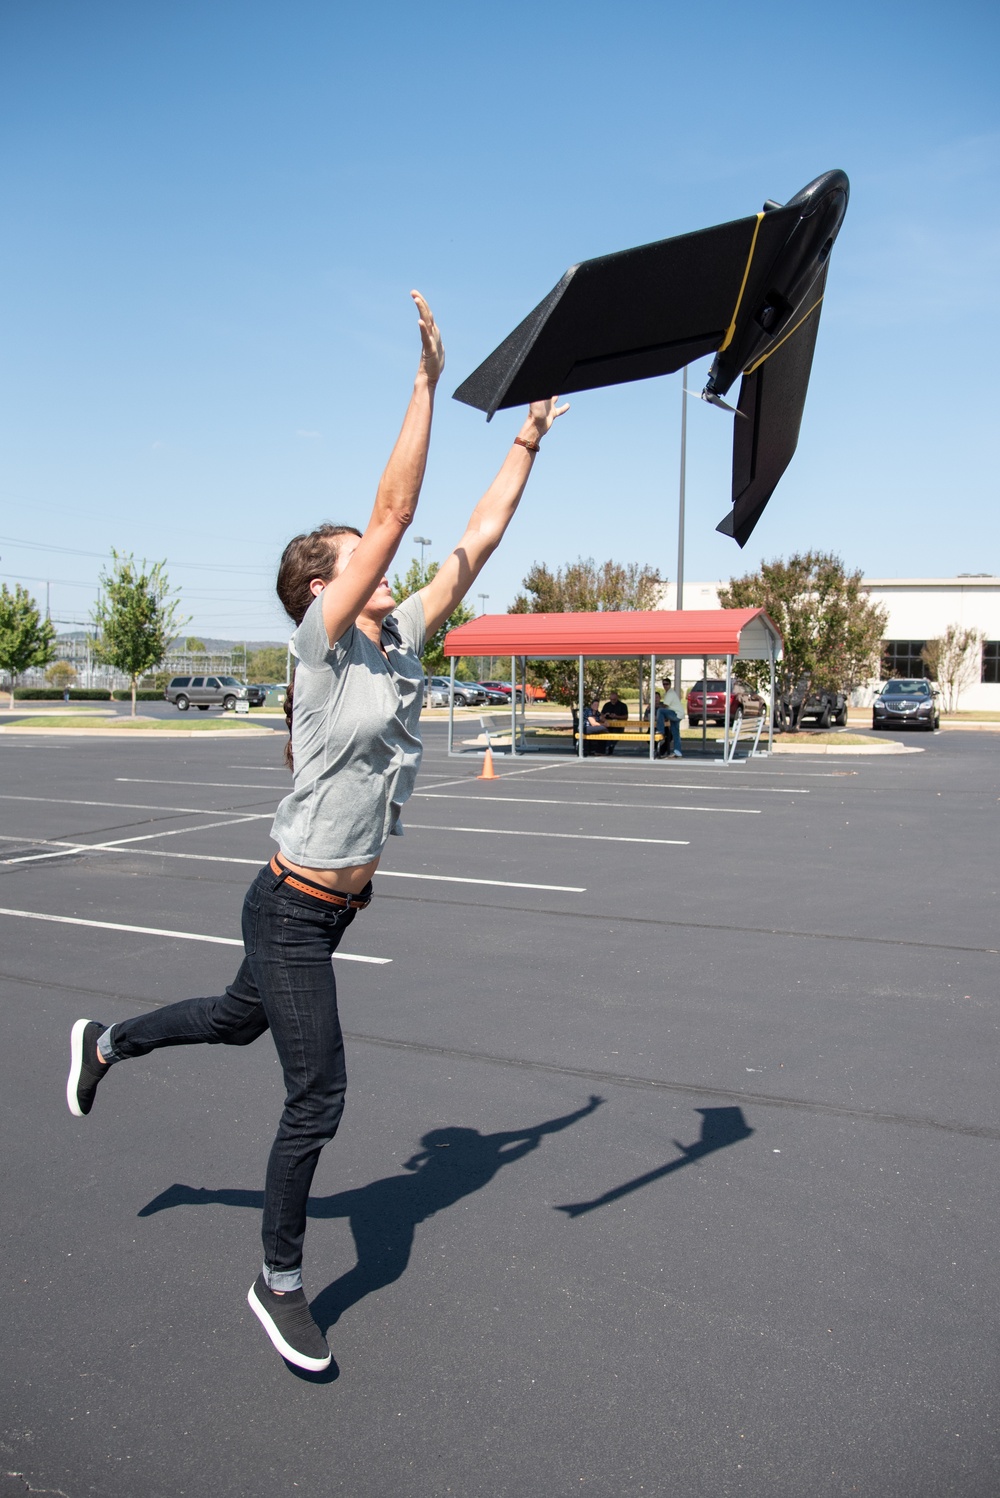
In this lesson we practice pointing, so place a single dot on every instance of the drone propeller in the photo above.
(715, 400)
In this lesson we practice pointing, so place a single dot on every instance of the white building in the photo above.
(919, 609)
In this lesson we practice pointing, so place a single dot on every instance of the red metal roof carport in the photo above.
(740, 634)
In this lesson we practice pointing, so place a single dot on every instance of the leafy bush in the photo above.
(48, 694)
(142, 695)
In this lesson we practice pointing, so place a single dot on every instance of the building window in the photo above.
(991, 660)
(903, 658)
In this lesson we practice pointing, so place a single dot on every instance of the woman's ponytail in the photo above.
(288, 719)
(305, 558)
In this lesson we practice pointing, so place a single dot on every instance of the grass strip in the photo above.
(166, 725)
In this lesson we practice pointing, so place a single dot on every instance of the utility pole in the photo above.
(422, 541)
(678, 663)
(482, 610)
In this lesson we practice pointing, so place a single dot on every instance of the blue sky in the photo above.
(215, 211)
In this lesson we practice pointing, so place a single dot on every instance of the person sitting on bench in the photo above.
(593, 722)
(614, 712)
(668, 717)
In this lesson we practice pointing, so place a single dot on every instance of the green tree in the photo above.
(26, 639)
(193, 645)
(60, 674)
(831, 631)
(584, 587)
(134, 617)
(954, 661)
(414, 578)
(268, 664)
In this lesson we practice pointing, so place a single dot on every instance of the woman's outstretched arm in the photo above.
(398, 491)
(489, 519)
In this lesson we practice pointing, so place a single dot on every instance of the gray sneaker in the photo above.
(288, 1322)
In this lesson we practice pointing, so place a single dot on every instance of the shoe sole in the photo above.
(75, 1067)
(288, 1352)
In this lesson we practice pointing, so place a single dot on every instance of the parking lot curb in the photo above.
(141, 733)
(892, 748)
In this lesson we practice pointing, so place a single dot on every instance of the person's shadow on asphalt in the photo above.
(720, 1127)
(452, 1163)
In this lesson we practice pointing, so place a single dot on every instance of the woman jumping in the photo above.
(355, 751)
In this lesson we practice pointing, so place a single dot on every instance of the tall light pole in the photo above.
(678, 663)
(482, 610)
(422, 541)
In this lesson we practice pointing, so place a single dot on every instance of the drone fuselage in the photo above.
(781, 296)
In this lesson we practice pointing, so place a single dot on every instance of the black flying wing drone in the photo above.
(749, 290)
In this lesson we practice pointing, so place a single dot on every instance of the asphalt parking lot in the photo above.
(763, 1263)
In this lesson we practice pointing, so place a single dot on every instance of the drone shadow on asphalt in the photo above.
(452, 1163)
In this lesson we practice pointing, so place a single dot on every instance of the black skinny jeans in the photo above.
(285, 984)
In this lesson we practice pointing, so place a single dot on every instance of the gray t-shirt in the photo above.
(355, 738)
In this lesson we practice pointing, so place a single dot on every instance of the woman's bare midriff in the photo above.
(347, 881)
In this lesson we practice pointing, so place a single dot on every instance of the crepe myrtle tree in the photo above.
(414, 578)
(584, 587)
(830, 629)
(26, 639)
(134, 618)
(954, 661)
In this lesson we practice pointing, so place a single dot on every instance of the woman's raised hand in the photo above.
(432, 353)
(541, 414)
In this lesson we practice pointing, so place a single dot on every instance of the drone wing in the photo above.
(629, 316)
(772, 396)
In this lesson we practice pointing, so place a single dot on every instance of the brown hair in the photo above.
(306, 557)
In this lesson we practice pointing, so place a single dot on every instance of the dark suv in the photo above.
(820, 704)
(204, 692)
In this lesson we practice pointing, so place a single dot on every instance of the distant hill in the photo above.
(211, 645)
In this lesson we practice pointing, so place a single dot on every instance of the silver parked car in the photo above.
(204, 692)
(467, 693)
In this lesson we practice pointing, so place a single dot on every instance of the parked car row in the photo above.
(475, 693)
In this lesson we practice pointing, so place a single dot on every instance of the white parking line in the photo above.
(500, 775)
(567, 889)
(587, 837)
(220, 941)
(181, 811)
(680, 785)
(483, 800)
(124, 845)
(65, 850)
(221, 785)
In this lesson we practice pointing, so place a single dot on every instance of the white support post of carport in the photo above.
(770, 698)
(704, 704)
(652, 714)
(579, 720)
(513, 705)
(729, 692)
(451, 707)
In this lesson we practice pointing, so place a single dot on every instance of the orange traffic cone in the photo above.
(488, 771)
